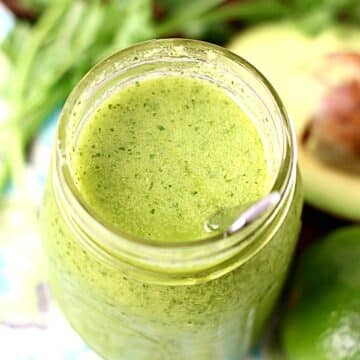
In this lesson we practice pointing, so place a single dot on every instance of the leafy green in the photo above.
(37, 5)
(312, 15)
(51, 56)
(316, 15)
(247, 12)
(183, 13)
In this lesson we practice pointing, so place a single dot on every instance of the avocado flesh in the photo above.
(323, 317)
(293, 61)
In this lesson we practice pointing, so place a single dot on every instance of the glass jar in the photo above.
(135, 299)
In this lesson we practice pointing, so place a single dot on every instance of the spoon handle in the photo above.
(254, 211)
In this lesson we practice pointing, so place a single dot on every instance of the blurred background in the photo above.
(308, 49)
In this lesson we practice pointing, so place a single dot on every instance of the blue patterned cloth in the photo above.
(31, 325)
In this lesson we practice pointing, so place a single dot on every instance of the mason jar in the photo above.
(204, 299)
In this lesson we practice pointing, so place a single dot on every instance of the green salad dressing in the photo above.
(160, 156)
(155, 160)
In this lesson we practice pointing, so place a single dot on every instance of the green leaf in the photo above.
(37, 5)
(182, 15)
(247, 11)
(315, 15)
(16, 41)
(135, 26)
(50, 57)
(316, 21)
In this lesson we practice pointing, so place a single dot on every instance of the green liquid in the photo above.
(160, 156)
(158, 171)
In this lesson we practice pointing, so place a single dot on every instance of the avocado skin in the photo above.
(322, 320)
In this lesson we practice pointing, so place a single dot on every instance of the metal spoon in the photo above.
(230, 220)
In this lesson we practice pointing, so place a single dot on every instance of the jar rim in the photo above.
(115, 242)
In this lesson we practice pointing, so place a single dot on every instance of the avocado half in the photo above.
(315, 75)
